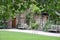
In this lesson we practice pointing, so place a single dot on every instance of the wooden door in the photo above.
(14, 23)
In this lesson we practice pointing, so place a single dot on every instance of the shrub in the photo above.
(34, 25)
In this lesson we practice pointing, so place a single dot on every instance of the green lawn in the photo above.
(24, 36)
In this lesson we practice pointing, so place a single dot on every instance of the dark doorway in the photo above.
(14, 23)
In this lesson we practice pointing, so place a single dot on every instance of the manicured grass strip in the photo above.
(4, 35)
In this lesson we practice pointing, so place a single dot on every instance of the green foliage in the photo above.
(28, 18)
(34, 8)
(47, 26)
(49, 5)
(10, 8)
(34, 25)
(16, 6)
(3, 12)
(2, 24)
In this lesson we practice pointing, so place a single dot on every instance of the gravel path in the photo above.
(33, 32)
